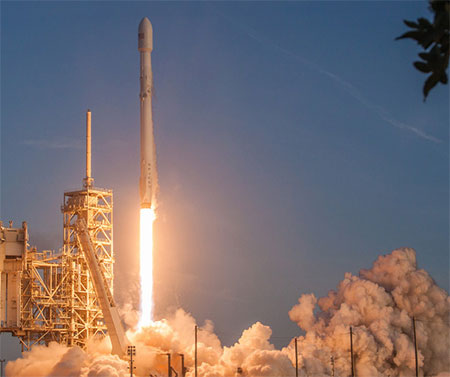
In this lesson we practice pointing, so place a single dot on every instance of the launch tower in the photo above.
(95, 206)
(48, 296)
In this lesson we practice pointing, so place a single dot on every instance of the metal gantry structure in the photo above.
(43, 304)
(51, 296)
(32, 305)
(84, 314)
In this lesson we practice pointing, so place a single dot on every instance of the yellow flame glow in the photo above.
(146, 265)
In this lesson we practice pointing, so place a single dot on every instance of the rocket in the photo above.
(149, 179)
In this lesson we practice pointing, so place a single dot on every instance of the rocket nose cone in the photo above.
(145, 26)
(145, 35)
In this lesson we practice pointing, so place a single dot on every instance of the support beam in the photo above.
(109, 309)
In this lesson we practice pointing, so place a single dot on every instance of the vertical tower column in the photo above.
(88, 180)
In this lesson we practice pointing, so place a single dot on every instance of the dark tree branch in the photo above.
(434, 38)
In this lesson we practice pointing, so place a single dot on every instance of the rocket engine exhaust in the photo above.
(149, 178)
(146, 266)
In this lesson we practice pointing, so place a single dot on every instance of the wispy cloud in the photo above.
(62, 143)
(347, 86)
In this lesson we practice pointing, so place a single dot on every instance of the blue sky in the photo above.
(293, 144)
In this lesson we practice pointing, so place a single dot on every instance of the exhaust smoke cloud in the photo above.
(379, 304)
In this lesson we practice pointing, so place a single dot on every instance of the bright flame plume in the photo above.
(148, 216)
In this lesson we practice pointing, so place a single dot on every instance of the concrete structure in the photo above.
(149, 179)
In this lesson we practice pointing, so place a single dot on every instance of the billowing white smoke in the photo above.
(61, 361)
(378, 304)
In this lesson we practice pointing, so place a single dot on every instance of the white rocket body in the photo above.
(149, 179)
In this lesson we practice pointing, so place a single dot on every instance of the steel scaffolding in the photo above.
(43, 306)
(50, 296)
(95, 207)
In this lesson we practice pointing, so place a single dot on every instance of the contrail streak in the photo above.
(347, 86)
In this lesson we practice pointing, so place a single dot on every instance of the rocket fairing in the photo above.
(149, 179)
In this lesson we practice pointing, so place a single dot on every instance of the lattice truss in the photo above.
(58, 299)
(43, 305)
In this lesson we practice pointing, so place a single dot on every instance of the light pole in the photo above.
(183, 368)
(131, 352)
(415, 346)
(169, 366)
(1, 367)
(351, 352)
(170, 369)
(195, 354)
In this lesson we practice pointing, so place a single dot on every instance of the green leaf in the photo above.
(434, 59)
(431, 82)
(415, 34)
(424, 55)
(422, 67)
(427, 39)
(424, 23)
(411, 24)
